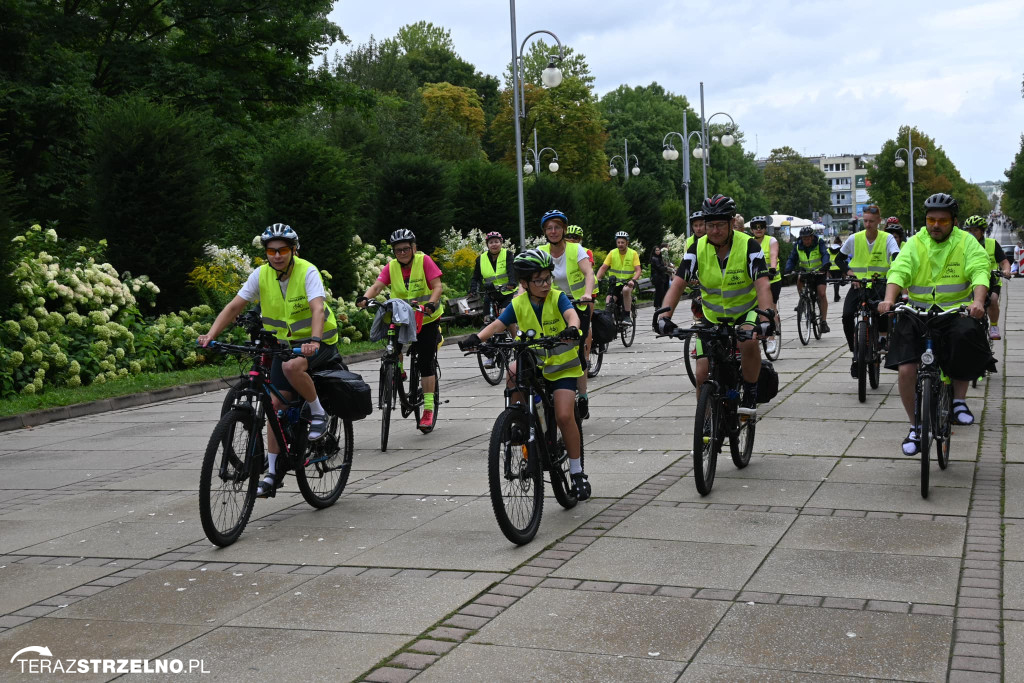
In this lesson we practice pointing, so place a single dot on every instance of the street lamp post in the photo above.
(921, 160)
(728, 139)
(625, 158)
(670, 153)
(551, 77)
(529, 168)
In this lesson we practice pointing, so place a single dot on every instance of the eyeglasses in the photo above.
(403, 250)
(717, 225)
(283, 251)
(935, 222)
(542, 282)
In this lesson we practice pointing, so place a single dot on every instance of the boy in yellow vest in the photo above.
(292, 303)
(547, 312)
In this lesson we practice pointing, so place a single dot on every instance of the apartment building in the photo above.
(847, 177)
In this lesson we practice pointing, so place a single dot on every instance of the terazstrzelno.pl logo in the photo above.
(39, 660)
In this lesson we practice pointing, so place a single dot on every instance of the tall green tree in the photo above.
(539, 54)
(602, 211)
(453, 121)
(423, 35)
(792, 185)
(1012, 203)
(643, 198)
(484, 197)
(413, 192)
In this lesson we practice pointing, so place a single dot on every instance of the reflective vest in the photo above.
(952, 287)
(874, 261)
(990, 249)
(726, 293)
(833, 266)
(689, 243)
(564, 359)
(623, 266)
(766, 247)
(417, 291)
(289, 317)
(809, 262)
(495, 275)
(577, 278)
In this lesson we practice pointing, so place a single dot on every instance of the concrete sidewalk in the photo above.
(818, 561)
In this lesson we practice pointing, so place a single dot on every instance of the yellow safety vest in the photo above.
(990, 249)
(623, 266)
(726, 293)
(494, 275)
(576, 277)
(809, 262)
(417, 291)
(874, 261)
(564, 359)
(953, 287)
(766, 246)
(289, 317)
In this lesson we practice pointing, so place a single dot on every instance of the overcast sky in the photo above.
(819, 76)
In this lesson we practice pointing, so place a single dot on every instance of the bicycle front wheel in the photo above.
(327, 464)
(705, 439)
(774, 355)
(741, 443)
(515, 478)
(229, 477)
(803, 322)
(924, 406)
(943, 424)
(862, 361)
(386, 402)
(495, 372)
(690, 360)
(628, 329)
(595, 359)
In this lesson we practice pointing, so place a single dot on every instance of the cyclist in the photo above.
(293, 305)
(738, 222)
(810, 258)
(660, 273)
(574, 235)
(733, 276)
(893, 227)
(414, 277)
(624, 264)
(863, 254)
(940, 266)
(493, 271)
(546, 311)
(977, 225)
(833, 269)
(696, 228)
(770, 248)
(573, 275)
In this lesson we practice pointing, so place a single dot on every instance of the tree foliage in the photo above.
(453, 121)
(413, 193)
(484, 197)
(643, 198)
(792, 185)
(1012, 203)
(539, 54)
(602, 211)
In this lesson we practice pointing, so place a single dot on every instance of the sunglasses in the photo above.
(871, 209)
(933, 222)
(283, 251)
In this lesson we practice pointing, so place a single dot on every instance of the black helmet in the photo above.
(758, 220)
(719, 206)
(402, 235)
(942, 202)
(806, 231)
(696, 215)
(280, 231)
(532, 261)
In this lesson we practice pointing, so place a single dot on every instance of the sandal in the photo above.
(268, 486)
(962, 414)
(912, 444)
(581, 485)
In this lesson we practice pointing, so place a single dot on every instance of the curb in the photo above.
(40, 417)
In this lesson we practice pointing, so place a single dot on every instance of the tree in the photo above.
(453, 121)
(484, 197)
(644, 201)
(601, 211)
(413, 193)
(792, 185)
(539, 55)
(674, 217)
(423, 35)
(1012, 203)
(545, 194)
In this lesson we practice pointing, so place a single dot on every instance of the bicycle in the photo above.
(495, 301)
(234, 457)
(808, 320)
(996, 274)
(868, 355)
(391, 388)
(516, 457)
(625, 323)
(718, 411)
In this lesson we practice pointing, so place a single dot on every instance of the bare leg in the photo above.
(565, 416)
(907, 383)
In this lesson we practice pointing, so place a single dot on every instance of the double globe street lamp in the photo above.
(903, 154)
(727, 139)
(529, 168)
(626, 158)
(670, 153)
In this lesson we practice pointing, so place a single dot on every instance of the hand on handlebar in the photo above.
(570, 333)
(975, 311)
(665, 326)
(309, 349)
(204, 340)
(470, 342)
(362, 301)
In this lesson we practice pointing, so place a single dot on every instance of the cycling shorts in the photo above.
(325, 357)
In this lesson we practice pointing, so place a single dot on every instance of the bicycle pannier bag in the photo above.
(767, 382)
(343, 393)
(603, 325)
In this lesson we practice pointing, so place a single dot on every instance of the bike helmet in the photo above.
(493, 234)
(402, 235)
(623, 234)
(532, 261)
(942, 202)
(696, 215)
(758, 220)
(575, 231)
(806, 231)
(553, 213)
(280, 231)
(891, 221)
(719, 206)
(976, 223)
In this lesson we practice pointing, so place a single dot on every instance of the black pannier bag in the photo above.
(343, 393)
(767, 382)
(603, 325)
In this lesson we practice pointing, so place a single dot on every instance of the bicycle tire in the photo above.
(236, 477)
(924, 404)
(595, 359)
(944, 425)
(229, 399)
(494, 374)
(875, 370)
(386, 401)
(418, 405)
(559, 471)
(815, 318)
(803, 323)
(862, 361)
(510, 476)
(327, 464)
(705, 438)
(778, 342)
(690, 364)
(629, 328)
(741, 443)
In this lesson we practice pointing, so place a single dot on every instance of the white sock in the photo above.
(959, 401)
(272, 459)
(315, 406)
(574, 466)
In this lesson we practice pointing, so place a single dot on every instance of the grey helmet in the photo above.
(280, 231)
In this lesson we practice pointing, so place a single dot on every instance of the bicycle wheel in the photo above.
(815, 320)
(231, 396)
(778, 342)
(627, 330)
(803, 322)
(327, 464)
(705, 439)
(595, 359)
(386, 401)
(418, 405)
(559, 470)
(494, 373)
(516, 484)
(688, 361)
(943, 424)
(862, 361)
(741, 443)
(229, 477)
(875, 369)
(924, 406)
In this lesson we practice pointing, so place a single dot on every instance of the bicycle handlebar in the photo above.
(252, 350)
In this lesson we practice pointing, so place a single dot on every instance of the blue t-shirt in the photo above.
(508, 316)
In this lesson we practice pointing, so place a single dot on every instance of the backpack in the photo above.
(343, 394)
(767, 382)
(603, 326)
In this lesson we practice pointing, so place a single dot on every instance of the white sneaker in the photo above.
(771, 346)
(488, 363)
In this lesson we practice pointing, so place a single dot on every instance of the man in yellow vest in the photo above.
(997, 260)
(939, 266)
(546, 311)
(811, 261)
(293, 304)
(770, 248)
(624, 265)
(414, 277)
(493, 272)
(863, 254)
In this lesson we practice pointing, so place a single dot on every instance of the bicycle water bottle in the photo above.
(538, 407)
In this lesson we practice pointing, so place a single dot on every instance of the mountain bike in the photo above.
(718, 404)
(526, 443)
(595, 359)
(996, 274)
(808, 319)
(493, 366)
(234, 457)
(867, 342)
(392, 391)
(626, 322)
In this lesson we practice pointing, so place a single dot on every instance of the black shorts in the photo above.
(959, 344)
(327, 355)
(426, 348)
(776, 291)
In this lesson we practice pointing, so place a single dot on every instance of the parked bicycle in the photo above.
(392, 391)
(867, 341)
(526, 443)
(234, 457)
(626, 322)
(493, 366)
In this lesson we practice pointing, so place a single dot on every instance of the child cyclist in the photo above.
(548, 312)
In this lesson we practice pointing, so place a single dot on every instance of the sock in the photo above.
(315, 406)
(428, 401)
(750, 390)
(959, 401)
(574, 466)
(272, 459)
(583, 396)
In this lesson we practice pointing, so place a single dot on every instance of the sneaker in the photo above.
(581, 484)
(317, 427)
(583, 407)
(853, 369)
(993, 333)
(426, 420)
(771, 347)
(912, 444)
(823, 327)
(748, 403)
(488, 362)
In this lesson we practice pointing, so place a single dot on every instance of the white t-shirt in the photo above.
(250, 291)
(892, 247)
(561, 281)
